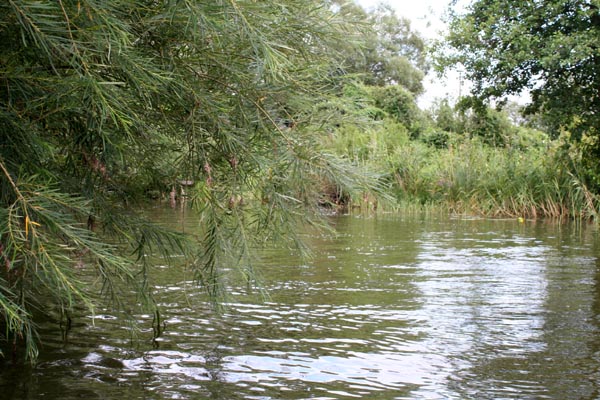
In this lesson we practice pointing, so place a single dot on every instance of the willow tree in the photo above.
(102, 101)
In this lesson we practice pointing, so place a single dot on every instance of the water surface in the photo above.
(390, 308)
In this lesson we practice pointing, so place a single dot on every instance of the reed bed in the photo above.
(468, 176)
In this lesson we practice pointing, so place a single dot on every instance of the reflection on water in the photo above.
(391, 308)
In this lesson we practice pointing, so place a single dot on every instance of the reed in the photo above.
(530, 177)
(529, 183)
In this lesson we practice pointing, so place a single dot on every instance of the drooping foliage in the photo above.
(102, 103)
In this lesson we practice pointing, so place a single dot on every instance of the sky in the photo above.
(427, 18)
(426, 15)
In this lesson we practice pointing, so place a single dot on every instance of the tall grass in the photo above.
(529, 183)
(530, 177)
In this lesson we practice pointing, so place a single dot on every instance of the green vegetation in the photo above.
(389, 51)
(264, 113)
(102, 103)
(534, 161)
(528, 175)
(548, 48)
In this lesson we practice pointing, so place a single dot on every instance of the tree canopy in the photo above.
(548, 48)
(389, 51)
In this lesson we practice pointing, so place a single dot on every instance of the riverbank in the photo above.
(529, 176)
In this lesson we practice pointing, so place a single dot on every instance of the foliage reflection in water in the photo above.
(391, 308)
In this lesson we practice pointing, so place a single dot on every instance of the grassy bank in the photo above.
(529, 176)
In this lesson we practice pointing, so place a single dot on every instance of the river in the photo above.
(392, 307)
